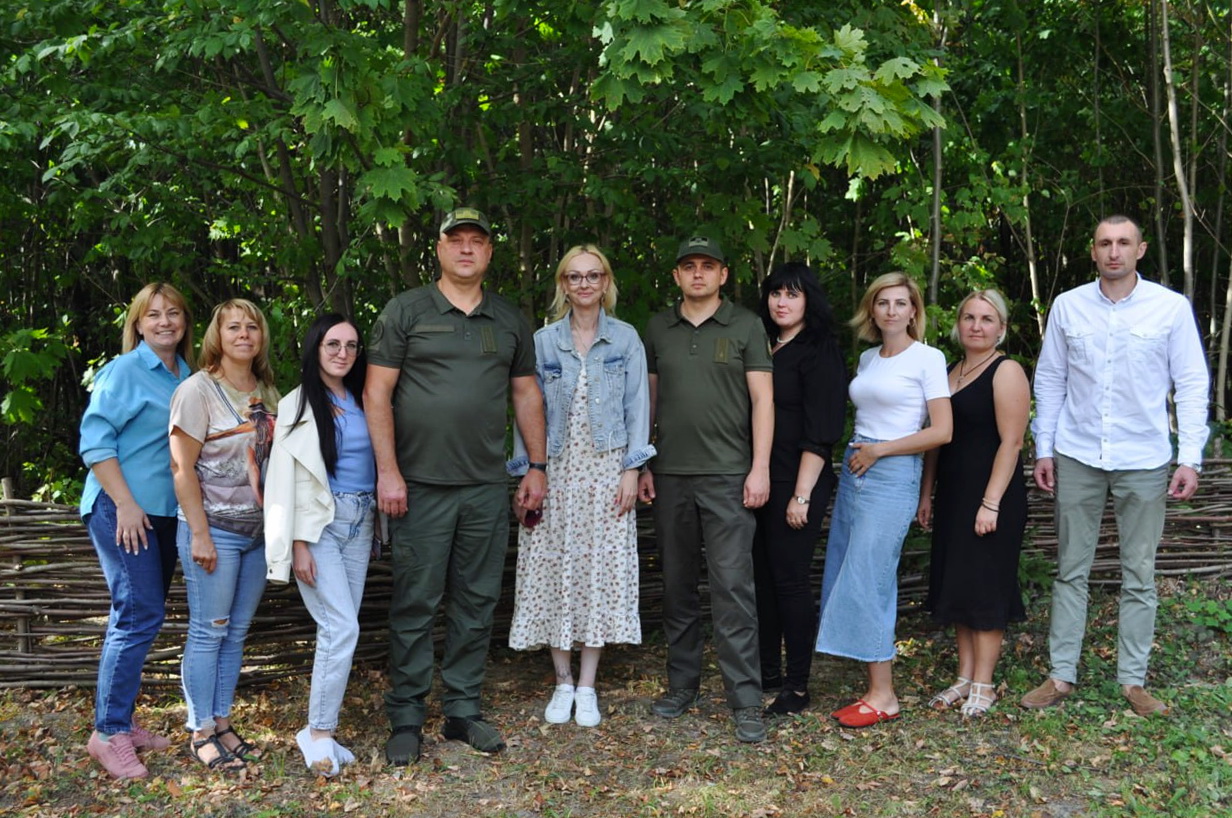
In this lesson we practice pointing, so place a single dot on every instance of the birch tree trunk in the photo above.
(1032, 266)
(1161, 236)
(1178, 154)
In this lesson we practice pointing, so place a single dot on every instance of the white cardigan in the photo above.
(298, 502)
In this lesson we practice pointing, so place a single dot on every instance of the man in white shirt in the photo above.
(1113, 351)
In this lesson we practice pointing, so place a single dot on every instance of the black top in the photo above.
(810, 404)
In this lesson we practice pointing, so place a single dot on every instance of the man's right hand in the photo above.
(1045, 474)
(645, 487)
(391, 494)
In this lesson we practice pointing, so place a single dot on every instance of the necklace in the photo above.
(237, 388)
(780, 340)
(582, 338)
(962, 367)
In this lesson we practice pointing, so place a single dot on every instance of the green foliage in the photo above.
(29, 356)
(1211, 614)
(302, 153)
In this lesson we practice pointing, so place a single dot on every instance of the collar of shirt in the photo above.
(444, 305)
(722, 315)
(151, 360)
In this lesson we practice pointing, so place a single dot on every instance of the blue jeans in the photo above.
(341, 556)
(138, 584)
(859, 589)
(220, 609)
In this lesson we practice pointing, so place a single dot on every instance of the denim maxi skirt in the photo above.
(859, 590)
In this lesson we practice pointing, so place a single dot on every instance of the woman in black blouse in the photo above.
(810, 400)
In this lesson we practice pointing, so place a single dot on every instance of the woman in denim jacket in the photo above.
(577, 580)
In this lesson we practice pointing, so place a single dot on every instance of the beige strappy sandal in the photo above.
(982, 698)
(952, 695)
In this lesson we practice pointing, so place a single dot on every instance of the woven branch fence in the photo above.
(54, 601)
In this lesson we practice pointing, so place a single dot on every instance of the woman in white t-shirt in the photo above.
(899, 387)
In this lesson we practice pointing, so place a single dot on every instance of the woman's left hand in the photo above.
(863, 458)
(302, 563)
(985, 521)
(797, 513)
(626, 492)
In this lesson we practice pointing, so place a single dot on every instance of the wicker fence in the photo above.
(54, 601)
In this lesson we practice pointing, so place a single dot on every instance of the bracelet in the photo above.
(538, 466)
(994, 509)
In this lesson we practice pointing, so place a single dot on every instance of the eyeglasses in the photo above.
(592, 278)
(337, 347)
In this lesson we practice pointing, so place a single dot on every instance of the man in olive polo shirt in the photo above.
(712, 398)
(442, 363)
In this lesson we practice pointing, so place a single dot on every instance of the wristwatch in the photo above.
(1197, 467)
(540, 466)
(802, 500)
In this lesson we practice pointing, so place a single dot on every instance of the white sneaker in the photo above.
(318, 753)
(561, 706)
(586, 713)
(344, 755)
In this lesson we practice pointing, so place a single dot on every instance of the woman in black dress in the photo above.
(980, 510)
(810, 400)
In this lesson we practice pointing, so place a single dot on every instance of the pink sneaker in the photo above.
(117, 756)
(143, 739)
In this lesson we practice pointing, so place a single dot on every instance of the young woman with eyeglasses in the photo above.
(319, 516)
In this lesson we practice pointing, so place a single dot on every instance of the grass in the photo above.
(1090, 757)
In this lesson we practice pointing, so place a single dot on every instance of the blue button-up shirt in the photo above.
(128, 416)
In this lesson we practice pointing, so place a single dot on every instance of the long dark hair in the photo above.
(313, 391)
(798, 277)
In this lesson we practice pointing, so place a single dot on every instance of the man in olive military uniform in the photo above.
(442, 363)
(712, 400)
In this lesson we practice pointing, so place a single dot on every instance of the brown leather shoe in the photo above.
(1143, 703)
(1046, 695)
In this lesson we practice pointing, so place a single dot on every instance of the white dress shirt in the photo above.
(1104, 373)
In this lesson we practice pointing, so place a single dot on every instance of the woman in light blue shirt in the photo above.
(577, 577)
(129, 510)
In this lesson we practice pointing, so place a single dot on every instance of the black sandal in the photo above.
(245, 750)
(226, 760)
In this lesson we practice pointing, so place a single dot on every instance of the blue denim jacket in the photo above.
(619, 400)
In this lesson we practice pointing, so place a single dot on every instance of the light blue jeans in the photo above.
(859, 589)
(341, 557)
(221, 606)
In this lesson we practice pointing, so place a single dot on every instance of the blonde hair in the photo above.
(211, 345)
(993, 299)
(866, 327)
(140, 305)
(560, 301)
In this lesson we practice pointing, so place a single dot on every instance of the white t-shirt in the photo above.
(891, 395)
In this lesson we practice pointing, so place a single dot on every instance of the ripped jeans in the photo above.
(220, 609)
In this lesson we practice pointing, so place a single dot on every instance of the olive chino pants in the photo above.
(450, 545)
(690, 510)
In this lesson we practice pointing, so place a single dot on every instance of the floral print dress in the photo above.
(577, 579)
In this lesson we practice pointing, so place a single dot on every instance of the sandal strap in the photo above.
(242, 749)
(983, 696)
(224, 756)
(951, 695)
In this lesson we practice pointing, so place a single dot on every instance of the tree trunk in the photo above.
(1161, 236)
(1178, 151)
(1032, 265)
